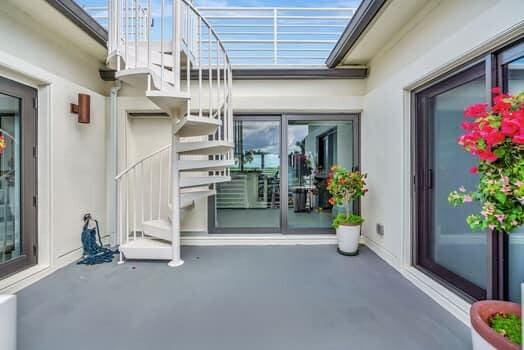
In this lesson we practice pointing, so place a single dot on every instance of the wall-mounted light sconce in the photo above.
(83, 108)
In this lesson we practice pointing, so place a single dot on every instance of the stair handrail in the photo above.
(140, 193)
(141, 160)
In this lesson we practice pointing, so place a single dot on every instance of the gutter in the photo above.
(112, 164)
(361, 20)
(76, 14)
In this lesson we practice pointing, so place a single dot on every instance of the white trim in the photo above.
(257, 239)
(383, 253)
(449, 300)
(33, 274)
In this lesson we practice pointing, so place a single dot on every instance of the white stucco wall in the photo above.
(441, 36)
(72, 156)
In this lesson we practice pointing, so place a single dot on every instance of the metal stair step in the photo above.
(198, 165)
(204, 147)
(193, 181)
(192, 125)
(147, 248)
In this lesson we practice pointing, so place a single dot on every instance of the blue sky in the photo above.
(259, 3)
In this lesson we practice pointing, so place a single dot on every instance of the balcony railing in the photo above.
(260, 36)
(278, 36)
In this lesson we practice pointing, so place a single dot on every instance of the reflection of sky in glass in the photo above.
(296, 133)
(261, 136)
(270, 161)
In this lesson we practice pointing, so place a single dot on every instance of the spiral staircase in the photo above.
(170, 52)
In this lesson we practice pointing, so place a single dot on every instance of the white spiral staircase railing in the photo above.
(179, 62)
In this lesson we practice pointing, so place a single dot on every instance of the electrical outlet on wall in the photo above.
(380, 229)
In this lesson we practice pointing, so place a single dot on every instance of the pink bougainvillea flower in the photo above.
(496, 90)
(476, 110)
(519, 139)
(473, 170)
(494, 138)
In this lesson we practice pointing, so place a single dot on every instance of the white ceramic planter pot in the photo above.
(348, 237)
(8, 322)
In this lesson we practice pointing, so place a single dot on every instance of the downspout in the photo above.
(112, 165)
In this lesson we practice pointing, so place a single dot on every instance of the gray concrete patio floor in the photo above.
(236, 298)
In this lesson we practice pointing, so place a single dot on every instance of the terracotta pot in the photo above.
(483, 336)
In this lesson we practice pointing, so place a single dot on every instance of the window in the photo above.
(477, 265)
(280, 176)
(17, 177)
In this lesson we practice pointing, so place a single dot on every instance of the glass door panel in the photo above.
(453, 245)
(17, 177)
(10, 239)
(251, 200)
(446, 247)
(514, 81)
(313, 147)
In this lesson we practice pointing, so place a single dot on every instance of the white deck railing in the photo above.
(278, 36)
(257, 36)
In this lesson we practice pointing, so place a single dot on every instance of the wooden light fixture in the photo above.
(83, 108)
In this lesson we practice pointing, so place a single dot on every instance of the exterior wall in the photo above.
(442, 36)
(72, 156)
(145, 135)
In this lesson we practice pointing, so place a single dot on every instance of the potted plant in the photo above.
(496, 137)
(344, 187)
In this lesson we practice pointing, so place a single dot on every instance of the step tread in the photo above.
(190, 164)
(194, 181)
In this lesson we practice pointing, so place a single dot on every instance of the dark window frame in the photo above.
(284, 118)
(28, 176)
(497, 252)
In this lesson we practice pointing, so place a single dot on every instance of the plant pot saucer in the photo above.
(355, 253)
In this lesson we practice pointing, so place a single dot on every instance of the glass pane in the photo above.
(515, 81)
(313, 147)
(252, 198)
(453, 245)
(10, 239)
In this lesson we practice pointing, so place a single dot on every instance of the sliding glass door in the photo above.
(17, 177)
(446, 246)
(478, 265)
(313, 146)
(511, 63)
(250, 202)
(297, 149)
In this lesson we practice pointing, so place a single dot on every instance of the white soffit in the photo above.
(50, 18)
(389, 21)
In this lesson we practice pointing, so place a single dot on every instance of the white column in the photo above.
(175, 201)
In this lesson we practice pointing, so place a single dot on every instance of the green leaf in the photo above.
(501, 197)
(499, 152)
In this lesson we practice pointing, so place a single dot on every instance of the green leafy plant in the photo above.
(508, 325)
(347, 220)
(496, 137)
(344, 187)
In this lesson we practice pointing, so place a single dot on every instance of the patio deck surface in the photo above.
(236, 298)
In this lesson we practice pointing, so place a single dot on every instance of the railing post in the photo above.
(175, 201)
(176, 37)
(275, 36)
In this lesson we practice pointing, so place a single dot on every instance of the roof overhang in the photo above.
(76, 14)
(371, 29)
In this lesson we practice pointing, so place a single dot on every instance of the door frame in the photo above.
(284, 118)
(423, 177)
(498, 242)
(212, 229)
(28, 178)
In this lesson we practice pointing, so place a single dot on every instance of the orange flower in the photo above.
(2, 144)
